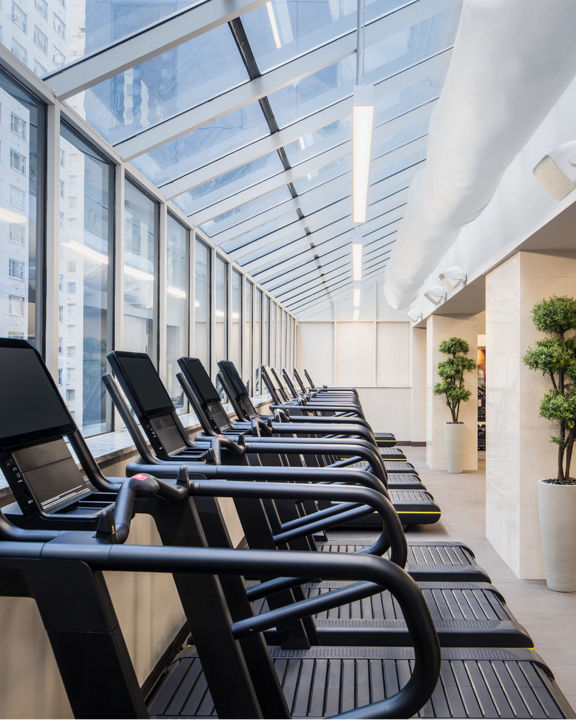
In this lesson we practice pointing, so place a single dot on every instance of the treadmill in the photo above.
(383, 439)
(244, 409)
(281, 398)
(413, 505)
(430, 559)
(44, 422)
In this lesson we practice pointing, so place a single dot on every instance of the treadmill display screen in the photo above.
(228, 367)
(147, 388)
(31, 404)
(194, 371)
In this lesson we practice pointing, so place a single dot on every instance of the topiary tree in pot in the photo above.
(555, 357)
(452, 387)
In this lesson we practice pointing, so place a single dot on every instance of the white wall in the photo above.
(378, 358)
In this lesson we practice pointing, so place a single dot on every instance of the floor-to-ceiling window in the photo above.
(201, 345)
(22, 143)
(257, 327)
(84, 279)
(235, 349)
(221, 309)
(140, 270)
(248, 343)
(177, 305)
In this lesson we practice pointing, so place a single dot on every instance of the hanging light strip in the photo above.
(357, 251)
(362, 125)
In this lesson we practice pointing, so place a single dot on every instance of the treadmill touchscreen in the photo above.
(195, 370)
(230, 370)
(31, 403)
(140, 373)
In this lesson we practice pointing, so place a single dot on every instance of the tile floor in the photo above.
(550, 617)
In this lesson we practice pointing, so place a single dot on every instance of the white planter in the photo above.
(454, 444)
(557, 507)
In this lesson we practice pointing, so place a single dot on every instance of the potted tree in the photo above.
(555, 357)
(452, 387)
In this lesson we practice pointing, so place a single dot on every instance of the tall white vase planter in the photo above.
(557, 508)
(454, 445)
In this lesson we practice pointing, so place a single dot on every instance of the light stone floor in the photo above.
(549, 617)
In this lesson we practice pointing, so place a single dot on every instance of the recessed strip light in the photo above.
(362, 124)
(356, 297)
(273, 25)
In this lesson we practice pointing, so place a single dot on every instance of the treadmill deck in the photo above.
(477, 683)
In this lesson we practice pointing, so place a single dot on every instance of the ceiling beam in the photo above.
(168, 33)
(290, 72)
(308, 125)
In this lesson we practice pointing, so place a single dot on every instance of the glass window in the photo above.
(235, 351)
(248, 343)
(165, 85)
(18, 161)
(85, 282)
(266, 330)
(274, 362)
(19, 50)
(18, 125)
(177, 282)
(140, 263)
(201, 347)
(42, 7)
(257, 324)
(40, 39)
(59, 26)
(221, 309)
(19, 17)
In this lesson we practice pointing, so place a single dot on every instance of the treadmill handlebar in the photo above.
(379, 572)
(348, 476)
(391, 535)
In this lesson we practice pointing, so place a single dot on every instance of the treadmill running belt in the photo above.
(465, 615)
(404, 480)
(395, 467)
(427, 559)
(474, 683)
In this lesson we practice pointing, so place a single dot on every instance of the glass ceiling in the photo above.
(244, 120)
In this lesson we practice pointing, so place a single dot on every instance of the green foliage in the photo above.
(452, 372)
(556, 316)
(555, 357)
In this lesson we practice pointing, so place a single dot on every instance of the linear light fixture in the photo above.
(273, 25)
(362, 125)
(357, 251)
(356, 297)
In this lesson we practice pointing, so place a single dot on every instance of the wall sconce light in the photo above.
(556, 172)
(453, 278)
(415, 315)
(436, 294)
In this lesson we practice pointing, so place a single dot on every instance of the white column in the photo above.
(438, 328)
(518, 451)
(418, 386)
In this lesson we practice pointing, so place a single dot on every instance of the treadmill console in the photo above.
(241, 394)
(206, 394)
(35, 458)
(148, 396)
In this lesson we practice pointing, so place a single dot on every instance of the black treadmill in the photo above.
(415, 506)
(287, 399)
(41, 391)
(242, 404)
(427, 560)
